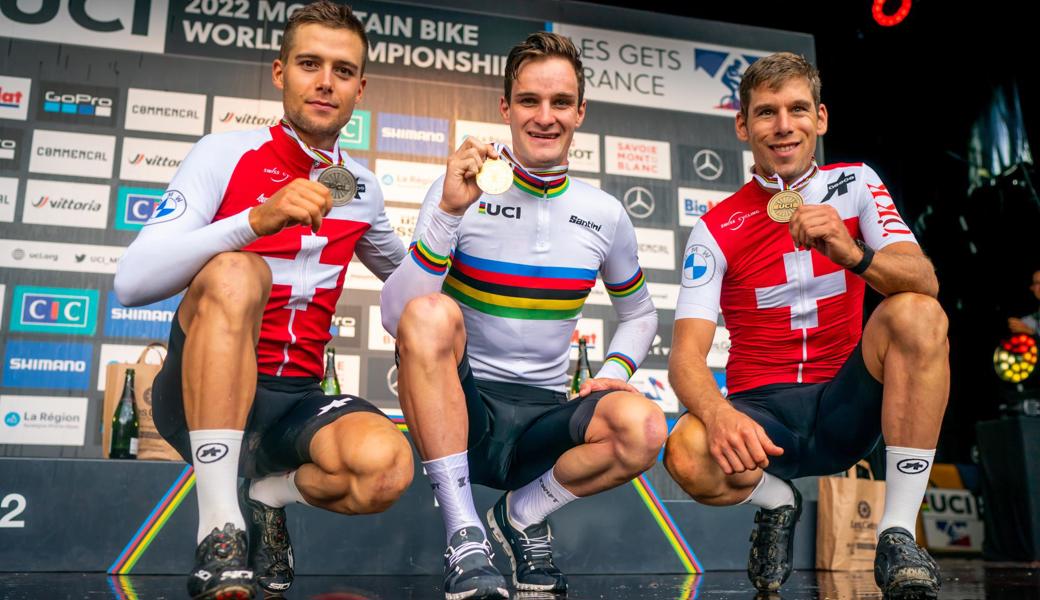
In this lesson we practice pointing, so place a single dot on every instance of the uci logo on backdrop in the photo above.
(134, 25)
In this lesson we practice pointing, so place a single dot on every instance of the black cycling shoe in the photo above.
(772, 545)
(468, 571)
(903, 570)
(529, 551)
(221, 571)
(270, 549)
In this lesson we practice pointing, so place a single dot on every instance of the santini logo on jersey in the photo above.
(584, 223)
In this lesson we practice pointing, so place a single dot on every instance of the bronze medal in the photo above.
(341, 183)
(782, 205)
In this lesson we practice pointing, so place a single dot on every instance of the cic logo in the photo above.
(55, 310)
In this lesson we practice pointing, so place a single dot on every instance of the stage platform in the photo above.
(962, 580)
(139, 518)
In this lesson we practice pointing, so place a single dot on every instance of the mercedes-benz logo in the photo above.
(639, 202)
(391, 380)
(708, 164)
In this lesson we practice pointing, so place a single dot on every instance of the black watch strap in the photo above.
(864, 263)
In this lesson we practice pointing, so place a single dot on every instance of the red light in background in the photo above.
(885, 20)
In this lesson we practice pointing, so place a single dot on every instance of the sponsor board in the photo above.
(129, 25)
(165, 112)
(666, 73)
(66, 204)
(56, 256)
(408, 182)
(410, 134)
(951, 520)
(151, 160)
(134, 206)
(77, 103)
(357, 133)
(656, 248)
(489, 133)
(346, 327)
(632, 157)
(695, 203)
(12, 141)
(592, 331)
(243, 114)
(378, 338)
(151, 321)
(66, 311)
(8, 198)
(43, 420)
(47, 365)
(3, 294)
(653, 383)
(125, 353)
(403, 221)
(14, 96)
(360, 278)
(718, 355)
(348, 371)
(711, 167)
(584, 153)
(67, 153)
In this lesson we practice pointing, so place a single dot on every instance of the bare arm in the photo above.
(688, 370)
(898, 267)
(735, 441)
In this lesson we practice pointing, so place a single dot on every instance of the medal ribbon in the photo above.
(325, 157)
(776, 182)
(549, 182)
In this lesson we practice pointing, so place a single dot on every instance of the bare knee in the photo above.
(688, 461)
(429, 324)
(637, 429)
(915, 321)
(374, 469)
(234, 286)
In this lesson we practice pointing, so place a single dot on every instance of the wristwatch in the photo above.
(864, 263)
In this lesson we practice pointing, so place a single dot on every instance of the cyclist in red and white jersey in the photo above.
(785, 260)
(260, 226)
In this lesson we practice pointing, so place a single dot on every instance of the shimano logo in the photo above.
(584, 223)
(48, 364)
(142, 314)
(417, 135)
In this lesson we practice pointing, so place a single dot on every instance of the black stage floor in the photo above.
(962, 580)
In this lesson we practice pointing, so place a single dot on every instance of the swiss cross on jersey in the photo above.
(794, 316)
(307, 268)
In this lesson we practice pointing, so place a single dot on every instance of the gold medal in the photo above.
(782, 205)
(495, 177)
(341, 183)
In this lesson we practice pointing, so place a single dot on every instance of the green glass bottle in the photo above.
(125, 423)
(330, 383)
(583, 372)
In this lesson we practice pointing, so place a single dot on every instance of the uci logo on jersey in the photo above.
(169, 207)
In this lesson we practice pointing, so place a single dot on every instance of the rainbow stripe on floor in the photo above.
(184, 483)
(154, 523)
(668, 527)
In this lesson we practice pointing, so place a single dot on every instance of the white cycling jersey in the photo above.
(520, 265)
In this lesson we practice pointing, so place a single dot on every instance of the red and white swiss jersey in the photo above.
(794, 316)
(207, 203)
